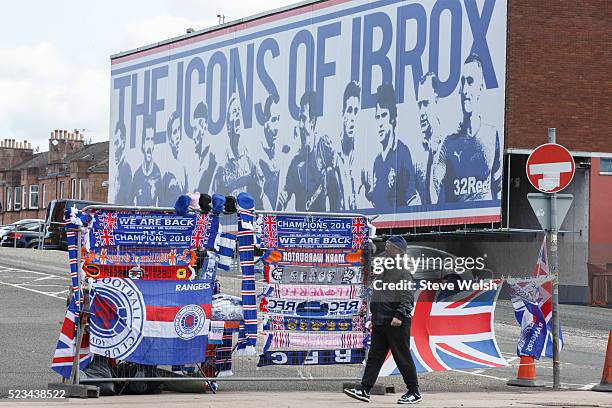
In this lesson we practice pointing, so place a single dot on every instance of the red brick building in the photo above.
(70, 169)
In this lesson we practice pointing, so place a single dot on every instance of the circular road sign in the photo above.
(550, 168)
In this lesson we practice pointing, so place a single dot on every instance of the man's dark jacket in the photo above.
(387, 304)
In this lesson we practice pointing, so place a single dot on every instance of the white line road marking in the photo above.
(35, 276)
(482, 375)
(588, 386)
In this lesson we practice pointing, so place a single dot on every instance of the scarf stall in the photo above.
(314, 305)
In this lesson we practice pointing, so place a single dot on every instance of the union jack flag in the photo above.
(270, 231)
(172, 257)
(358, 225)
(202, 221)
(104, 238)
(110, 220)
(541, 268)
(198, 238)
(358, 240)
(452, 331)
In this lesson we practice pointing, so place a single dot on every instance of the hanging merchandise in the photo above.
(280, 322)
(314, 308)
(314, 292)
(306, 231)
(330, 275)
(288, 340)
(312, 357)
(313, 257)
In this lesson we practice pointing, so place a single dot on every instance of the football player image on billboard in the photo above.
(123, 172)
(238, 172)
(147, 178)
(392, 183)
(468, 166)
(206, 161)
(390, 109)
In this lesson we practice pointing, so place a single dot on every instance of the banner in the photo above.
(391, 108)
(529, 298)
(288, 340)
(142, 257)
(150, 322)
(140, 272)
(298, 231)
(313, 257)
(321, 275)
(312, 357)
(151, 229)
(314, 308)
(310, 292)
(280, 322)
(452, 331)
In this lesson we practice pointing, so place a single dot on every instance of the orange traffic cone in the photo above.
(526, 376)
(606, 375)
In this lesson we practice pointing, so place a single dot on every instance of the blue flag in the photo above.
(150, 322)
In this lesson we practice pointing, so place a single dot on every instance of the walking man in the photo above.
(391, 318)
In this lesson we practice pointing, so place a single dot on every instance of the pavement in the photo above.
(33, 288)
(515, 398)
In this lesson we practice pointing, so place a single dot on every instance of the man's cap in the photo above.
(399, 242)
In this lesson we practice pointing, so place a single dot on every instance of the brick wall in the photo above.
(559, 73)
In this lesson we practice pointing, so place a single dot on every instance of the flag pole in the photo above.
(76, 363)
(554, 270)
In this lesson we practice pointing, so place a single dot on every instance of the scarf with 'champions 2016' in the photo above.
(247, 337)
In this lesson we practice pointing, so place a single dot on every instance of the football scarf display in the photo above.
(279, 322)
(287, 340)
(312, 257)
(139, 256)
(248, 336)
(153, 229)
(312, 357)
(323, 275)
(139, 272)
(304, 231)
(224, 245)
(314, 308)
(223, 357)
(313, 292)
(65, 349)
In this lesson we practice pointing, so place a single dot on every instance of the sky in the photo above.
(55, 56)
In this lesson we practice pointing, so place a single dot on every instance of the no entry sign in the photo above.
(550, 168)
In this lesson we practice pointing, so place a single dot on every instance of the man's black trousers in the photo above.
(396, 339)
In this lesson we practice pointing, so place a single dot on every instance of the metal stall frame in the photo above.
(75, 375)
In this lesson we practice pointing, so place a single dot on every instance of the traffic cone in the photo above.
(526, 376)
(606, 375)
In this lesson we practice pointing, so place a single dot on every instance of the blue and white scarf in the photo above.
(312, 357)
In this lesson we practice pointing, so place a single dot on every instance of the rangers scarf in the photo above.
(310, 292)
(248, 336)
(287, 340)
(65, 350)
(312, 357)
(224, 245)
(314, 308)
(279, 322)
(322, 275)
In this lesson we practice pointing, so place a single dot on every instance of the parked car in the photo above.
(55, 235)
(24, 235)
(5, 229)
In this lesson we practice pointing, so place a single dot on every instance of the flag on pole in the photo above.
(541, 268)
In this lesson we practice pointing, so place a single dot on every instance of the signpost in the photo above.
(550, 168)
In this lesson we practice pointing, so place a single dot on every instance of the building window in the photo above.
(33, 203)
(17, 206)
(83, 189)
(44, 196)
(73, 189)
(61, 192)
(605, 166)
(9, 199)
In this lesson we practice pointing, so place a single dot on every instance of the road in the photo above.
(33, 288)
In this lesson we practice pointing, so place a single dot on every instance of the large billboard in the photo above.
(394, 108)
